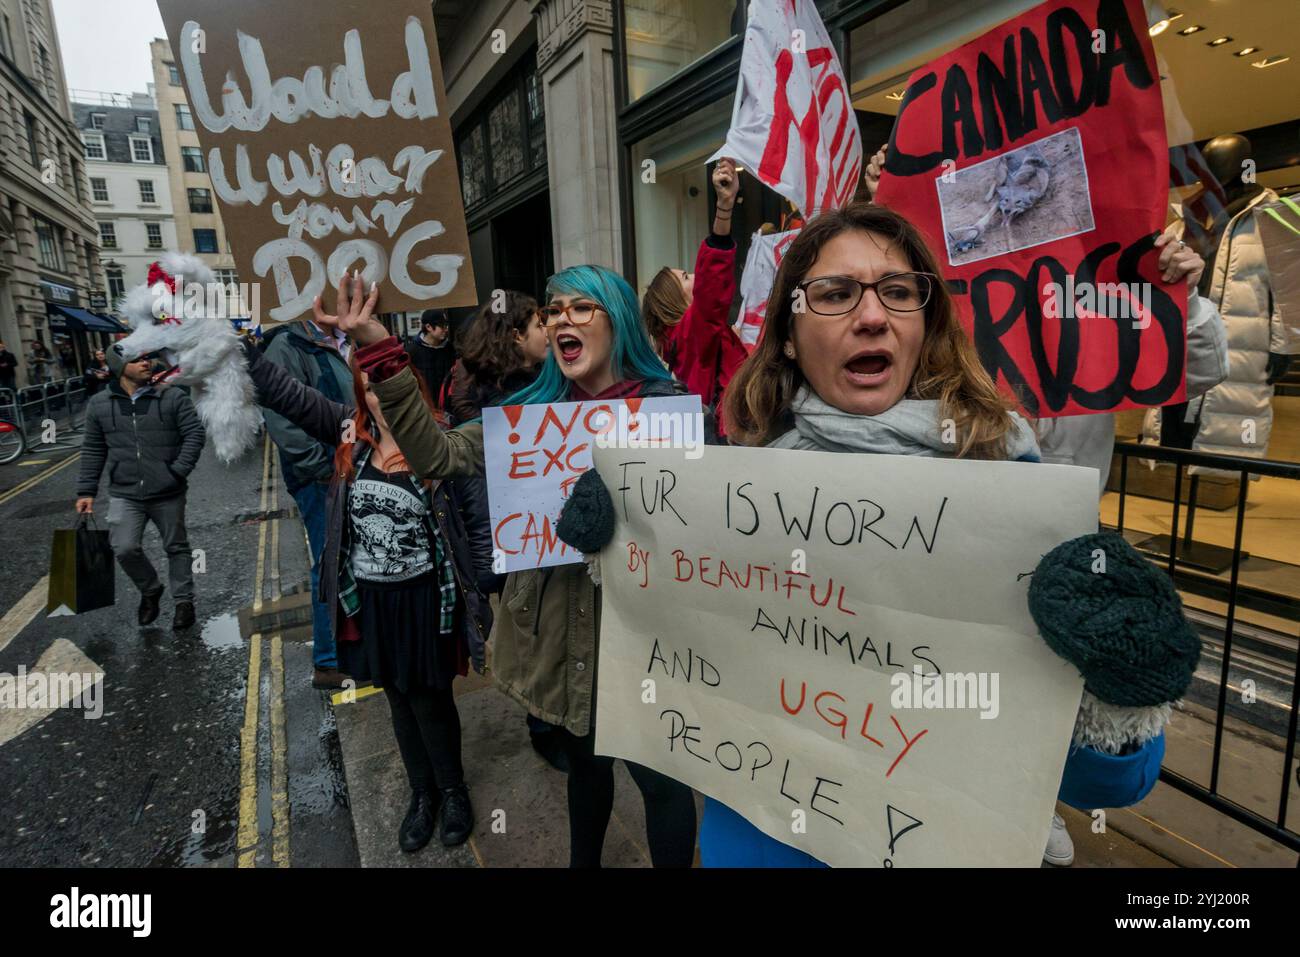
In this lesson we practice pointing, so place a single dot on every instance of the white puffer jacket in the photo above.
(1237, 416)
(1089, 440)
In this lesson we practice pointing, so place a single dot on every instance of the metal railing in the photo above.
(1237, 596)
(30, 407)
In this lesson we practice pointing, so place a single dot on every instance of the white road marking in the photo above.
(62, 658)
(24, 610)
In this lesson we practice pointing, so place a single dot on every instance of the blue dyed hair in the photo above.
(633, 355)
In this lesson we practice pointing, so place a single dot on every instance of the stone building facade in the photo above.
(48, 237)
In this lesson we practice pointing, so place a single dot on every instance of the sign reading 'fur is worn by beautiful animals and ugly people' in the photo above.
(327, 139)
(760, 641)
(1034, 158)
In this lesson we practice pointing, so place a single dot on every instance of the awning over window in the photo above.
(85, 319)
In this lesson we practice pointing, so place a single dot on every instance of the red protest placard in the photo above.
(1034, 159)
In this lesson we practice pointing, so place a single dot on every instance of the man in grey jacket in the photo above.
(150, 437)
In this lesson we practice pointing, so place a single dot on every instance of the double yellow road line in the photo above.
(38, 478)
(249, 840)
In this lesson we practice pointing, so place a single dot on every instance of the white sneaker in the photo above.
(1060, 849)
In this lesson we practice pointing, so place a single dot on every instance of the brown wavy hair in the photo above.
(756, 406)
(489, 350)
(663, 306)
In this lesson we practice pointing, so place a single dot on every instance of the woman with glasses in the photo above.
(688, 315)
(543, 641)
(861, 352)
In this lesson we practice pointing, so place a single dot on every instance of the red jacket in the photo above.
(702, 350)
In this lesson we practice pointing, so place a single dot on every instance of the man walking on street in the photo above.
(8, 369)
(151, 439)
(318, 359)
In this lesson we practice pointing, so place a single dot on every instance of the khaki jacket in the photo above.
(542, 650)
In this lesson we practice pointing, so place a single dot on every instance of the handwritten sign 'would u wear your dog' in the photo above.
(839, 647)
(328, 144)
(1035, 160)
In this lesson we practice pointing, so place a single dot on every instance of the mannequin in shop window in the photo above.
(1235, 417)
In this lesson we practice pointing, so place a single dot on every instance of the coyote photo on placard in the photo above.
(1024, 198)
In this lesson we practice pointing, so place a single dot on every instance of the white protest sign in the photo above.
(793, 125)
(757, 280)
(839, 648)
(533, 454)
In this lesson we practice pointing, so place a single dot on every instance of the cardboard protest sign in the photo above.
(792, 124)
(533, 454)
(773, 623)
(329, 147)
(1034, 159)
(757, 279)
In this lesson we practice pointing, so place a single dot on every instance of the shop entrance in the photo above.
(523, 254)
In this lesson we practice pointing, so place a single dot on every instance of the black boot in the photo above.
(457, 818)
(417, 826)
(148, 610)
(184, 616)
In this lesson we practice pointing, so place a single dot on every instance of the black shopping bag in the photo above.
(82, 577)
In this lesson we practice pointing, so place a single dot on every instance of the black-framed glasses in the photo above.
(580, 313)
(839, 295)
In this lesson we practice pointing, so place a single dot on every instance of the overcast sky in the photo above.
(106, 43)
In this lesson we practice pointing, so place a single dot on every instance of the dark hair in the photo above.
(758, 398)
(488, 347)
(434, 317)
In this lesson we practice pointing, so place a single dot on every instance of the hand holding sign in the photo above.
(726, 182)
(871, 178)
(1177, 260)
(356, 307)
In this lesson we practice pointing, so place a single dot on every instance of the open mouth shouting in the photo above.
(871, 367)
(569, 346)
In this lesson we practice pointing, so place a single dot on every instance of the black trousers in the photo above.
(427, 727)
(669, 807)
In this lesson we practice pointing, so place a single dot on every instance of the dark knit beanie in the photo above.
(115, 358)
(1123, 627)
(587, 520)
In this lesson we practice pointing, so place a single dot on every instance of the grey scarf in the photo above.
(911, 427)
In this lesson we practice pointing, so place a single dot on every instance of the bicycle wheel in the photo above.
(12, 443)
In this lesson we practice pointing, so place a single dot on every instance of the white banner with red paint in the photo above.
(757, 279)
(533, 455)
(793, 125)
(839, 648)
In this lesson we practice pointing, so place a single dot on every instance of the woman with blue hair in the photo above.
(543, 642)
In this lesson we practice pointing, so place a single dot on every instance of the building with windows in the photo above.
(199, 229)
(130, 191)
(48, 238)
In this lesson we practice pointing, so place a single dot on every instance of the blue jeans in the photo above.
(311, 506)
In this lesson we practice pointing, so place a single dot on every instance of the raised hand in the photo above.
(871, 175)
(726, 182)
(356, 307)
(1178, 260)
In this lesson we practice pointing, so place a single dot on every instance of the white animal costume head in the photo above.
(204, 351)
